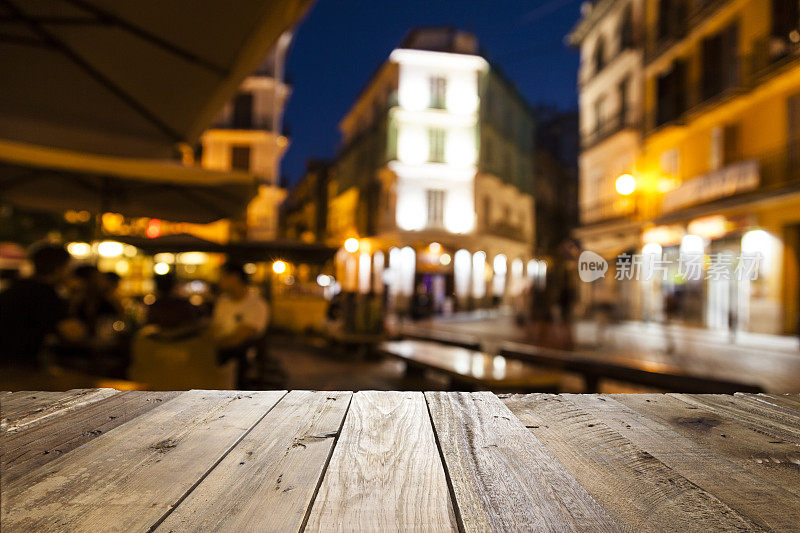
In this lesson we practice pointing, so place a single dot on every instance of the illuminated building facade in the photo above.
(610, 84)
(717, 168)
(435, 176)
(249, 136)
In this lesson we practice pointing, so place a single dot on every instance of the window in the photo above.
(670, 162)
(436, 145)
(720, 62)
(599, 58)
(793, 129)
(243, 111)
(435, 208)
(624, 95)
(240, 158)
(715, 156)
(626, 29)
(599, 113)
(785, 18)
(731, 147)
(438, 90)
(671, 93)
(671, 18)
(725, 148)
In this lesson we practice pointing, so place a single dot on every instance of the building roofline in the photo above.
(593, 13)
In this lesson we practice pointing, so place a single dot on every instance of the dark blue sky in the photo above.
(341, 43)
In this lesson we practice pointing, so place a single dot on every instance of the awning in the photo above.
(56, 180)
(293, 251)
(128, 77)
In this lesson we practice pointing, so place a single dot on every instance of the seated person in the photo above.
(240, 316)
(176, 349)
(31, 309)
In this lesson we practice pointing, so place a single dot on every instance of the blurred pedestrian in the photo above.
(239, 319)
(31, 309)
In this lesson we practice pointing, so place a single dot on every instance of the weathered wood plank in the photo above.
(40, 443)
(23, 408)
(385, 473)
(766, 504)
(130, 477)
(776, 421)
(268, 481)
(502, 477)
(787, 401)
(774, 460)
(635, 487)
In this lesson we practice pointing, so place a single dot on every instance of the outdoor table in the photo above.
(99, 460)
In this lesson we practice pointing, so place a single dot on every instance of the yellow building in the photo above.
(720, 158)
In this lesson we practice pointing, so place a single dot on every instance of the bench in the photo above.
(471, 368)
(594, 366)
(448, 338)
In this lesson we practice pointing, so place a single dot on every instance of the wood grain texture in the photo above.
(502, 477)
(40, 443)
(773, 459)
(385, 473)
(787, 401)
(781, 423)
(639, 490)
(276, 467)
(129, 477)
(764, 503)
(24, 408)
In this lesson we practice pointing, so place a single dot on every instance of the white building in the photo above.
(248, 136)
(435, 175)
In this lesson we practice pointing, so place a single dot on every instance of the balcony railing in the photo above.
(610, 126)
(769, 57)
(607, 209)
(506, 230)
(659, 41)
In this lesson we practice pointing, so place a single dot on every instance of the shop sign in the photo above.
(664, 235)
(731, 179)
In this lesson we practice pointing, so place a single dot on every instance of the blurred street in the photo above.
(771, 361)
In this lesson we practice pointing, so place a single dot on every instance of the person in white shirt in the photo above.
(240, 316)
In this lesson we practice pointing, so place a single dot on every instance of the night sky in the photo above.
(341, 43)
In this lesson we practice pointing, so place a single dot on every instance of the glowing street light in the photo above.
(161, 268)
(626, 184)
(110, 249)
(279, 267)
(351, 245)
(79, 249)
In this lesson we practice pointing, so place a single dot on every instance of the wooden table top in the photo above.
(492, 371)
(102, 460)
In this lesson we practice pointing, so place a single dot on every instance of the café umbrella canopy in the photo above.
(131, 78)
(51, 179)
(294, 251)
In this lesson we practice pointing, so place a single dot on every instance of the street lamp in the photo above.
(626, 184)
(351, 245)
(279, 267)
